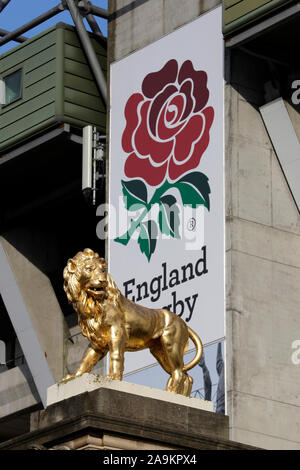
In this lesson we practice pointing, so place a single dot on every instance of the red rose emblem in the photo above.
(168, 124)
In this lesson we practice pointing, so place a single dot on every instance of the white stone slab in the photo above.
(285, 142)
(90, 382)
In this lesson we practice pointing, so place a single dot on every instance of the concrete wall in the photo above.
(41, 304)
(263, 275)
(17, 391)
(138, 23)
(262, 238)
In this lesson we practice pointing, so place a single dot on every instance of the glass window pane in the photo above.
(13, 87)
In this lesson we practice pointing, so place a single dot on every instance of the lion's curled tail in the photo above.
(199, 350)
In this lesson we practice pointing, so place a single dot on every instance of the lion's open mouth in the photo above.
(96, 290)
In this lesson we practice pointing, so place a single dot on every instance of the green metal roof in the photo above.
(238, 14)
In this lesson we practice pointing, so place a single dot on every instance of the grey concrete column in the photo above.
(35, 315)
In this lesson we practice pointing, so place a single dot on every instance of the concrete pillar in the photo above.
(35, 314)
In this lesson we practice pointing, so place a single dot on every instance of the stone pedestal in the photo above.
(98, 413)
(91, 382)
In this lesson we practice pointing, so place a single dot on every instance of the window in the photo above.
(10, 87)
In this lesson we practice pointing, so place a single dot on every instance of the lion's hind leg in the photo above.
(158, 352)
(169, 352)
(187, 386)
(173, 354)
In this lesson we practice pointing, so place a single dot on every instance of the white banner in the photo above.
(166, 205)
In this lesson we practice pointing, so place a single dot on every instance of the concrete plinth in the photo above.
(107, 414)
(91, 382)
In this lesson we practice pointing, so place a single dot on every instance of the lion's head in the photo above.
(86, 280)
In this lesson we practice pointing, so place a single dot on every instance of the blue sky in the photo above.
(19, 12)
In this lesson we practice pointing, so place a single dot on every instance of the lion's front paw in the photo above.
(67, 377)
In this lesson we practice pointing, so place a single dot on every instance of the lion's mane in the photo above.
(76, 293)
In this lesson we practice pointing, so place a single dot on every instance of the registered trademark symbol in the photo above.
(191, 225)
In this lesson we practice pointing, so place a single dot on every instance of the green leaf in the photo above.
(168, 216)
(147, 238)
(123, 240)
(135, 194)
(160, 191)
(194, 189)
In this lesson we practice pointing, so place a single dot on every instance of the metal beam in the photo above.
(3, 32)
(97, 11)
(88, 48)
(31, 24)
(3, 4)
(94, 25)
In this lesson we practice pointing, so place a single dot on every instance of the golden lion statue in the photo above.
(115, 324)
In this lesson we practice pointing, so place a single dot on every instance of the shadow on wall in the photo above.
(126, 9)
(264, 67)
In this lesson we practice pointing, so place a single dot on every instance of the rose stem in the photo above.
(124, 239)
